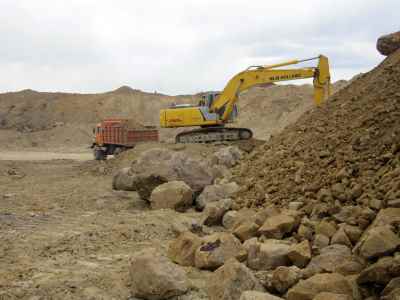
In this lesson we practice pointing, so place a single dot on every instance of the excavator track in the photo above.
(214, 134)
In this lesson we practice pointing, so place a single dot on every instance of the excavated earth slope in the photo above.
(347, 150)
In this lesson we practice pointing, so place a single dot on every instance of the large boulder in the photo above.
(277, 226)
(212, 193)
(214, 211)
(217, 249)
(157, 166)
(388, 44)
(377, 242)
(327, 282)
(228, 156)
(255, 295)
(155, 277)
(231, 280)
(183, 249)
(174, 194)
(268, 255)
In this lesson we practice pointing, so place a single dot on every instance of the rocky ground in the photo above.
(314, 213)
(66, 234)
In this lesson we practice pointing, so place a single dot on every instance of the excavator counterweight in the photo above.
(215, 110)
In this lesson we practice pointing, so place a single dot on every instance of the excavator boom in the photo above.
(217, 111)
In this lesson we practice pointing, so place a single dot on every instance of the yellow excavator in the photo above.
(216, 110)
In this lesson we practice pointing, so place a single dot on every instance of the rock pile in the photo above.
(329, 186)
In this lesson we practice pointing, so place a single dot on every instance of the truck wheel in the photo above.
(118, 150)
(99, 154)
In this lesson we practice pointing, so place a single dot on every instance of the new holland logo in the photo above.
(285, 77)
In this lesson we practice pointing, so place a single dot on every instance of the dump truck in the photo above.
(112, 136)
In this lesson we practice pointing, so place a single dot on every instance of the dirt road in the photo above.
(65, 234)
(43, 155)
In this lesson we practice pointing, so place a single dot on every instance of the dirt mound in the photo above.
(346, 150)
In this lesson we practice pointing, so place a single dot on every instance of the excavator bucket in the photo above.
(322, 81)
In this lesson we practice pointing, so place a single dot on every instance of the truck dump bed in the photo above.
(120, 132)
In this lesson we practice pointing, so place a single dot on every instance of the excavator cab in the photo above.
(208, 100)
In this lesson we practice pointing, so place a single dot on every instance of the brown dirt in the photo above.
(356, 132)
(65, 234)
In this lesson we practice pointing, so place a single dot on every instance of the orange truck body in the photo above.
(115, 135)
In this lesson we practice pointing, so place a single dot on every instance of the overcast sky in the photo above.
(179, 47)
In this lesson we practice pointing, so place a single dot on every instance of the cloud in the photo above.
(179, 47)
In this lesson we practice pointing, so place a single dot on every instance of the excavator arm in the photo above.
(256, 75)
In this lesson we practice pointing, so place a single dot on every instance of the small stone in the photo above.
(377, 242)
(391, 286)
(380, 272)
(268, 255)
(328, 282)
(300, 254)
(229, 219)
(246, 231)
(212, 193)
(277, 226)
(295, 205)
(320, 241)
(394, 203)
(332, 296)
(338, 191)
(324, 195)
(353, 232)
(182, 249)
(375, 204)
(324, 153)
(356, 191)
(284, 278)
(326, 228)
(214, 211)
(254, 295)
(341, 238)
(305, 232)
(266, 213)
(368, 214)
(217, 249)
(335, 259)
(341, 174)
